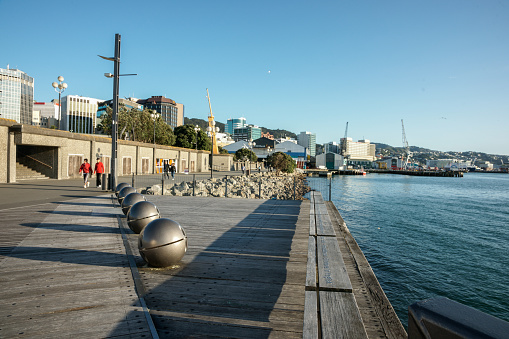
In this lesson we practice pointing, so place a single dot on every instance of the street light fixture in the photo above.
(197, 129)
(59, 86)
(251, 144)
(155, 116)
(211, 134)
(114, 122)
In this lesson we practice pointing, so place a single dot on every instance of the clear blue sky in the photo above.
(441, 65)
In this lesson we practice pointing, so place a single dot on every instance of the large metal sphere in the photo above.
(163, 242)
(120, 186)
(130, 200)
(124, 192)
(140, 214)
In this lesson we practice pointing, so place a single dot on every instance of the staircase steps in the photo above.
(25, 173)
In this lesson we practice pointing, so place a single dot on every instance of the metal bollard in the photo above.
(133, 181)
(294, 184)
(194, 184)
(226, 187)
(105, 182)
(260, 188)
(162, 184)
(162, 243)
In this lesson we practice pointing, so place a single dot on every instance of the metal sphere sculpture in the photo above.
(140, 214)
(130, 200)
(162, 243)
(124, 192)
(120, 186)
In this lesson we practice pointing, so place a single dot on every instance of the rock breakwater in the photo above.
(265, 185)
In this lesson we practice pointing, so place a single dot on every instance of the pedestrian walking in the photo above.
(87, 170)
(243, 169)
(98, 171)
(173, 169)
(166, 169)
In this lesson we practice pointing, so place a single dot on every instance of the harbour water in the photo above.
(430, 236)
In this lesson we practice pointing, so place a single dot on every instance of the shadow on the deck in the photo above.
(229, 289)
(74, 227)
(65, 255)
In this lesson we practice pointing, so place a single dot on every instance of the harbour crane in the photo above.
(343, 145)
(405, 145)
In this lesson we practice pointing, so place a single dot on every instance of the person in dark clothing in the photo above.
(98, 170)
(166, 169)
(172, 170)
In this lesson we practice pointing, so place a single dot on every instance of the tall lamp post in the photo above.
(211, 132)
(251, 144)
(59, 86)
(154, 116)
(197, 129)
(114, 123)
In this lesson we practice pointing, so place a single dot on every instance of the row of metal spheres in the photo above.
(162, 242)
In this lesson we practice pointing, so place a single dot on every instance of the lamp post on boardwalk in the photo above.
(114, 122)
(59, 86)
(251, 144)
(211, 134)
(154, 116)
(197, 129)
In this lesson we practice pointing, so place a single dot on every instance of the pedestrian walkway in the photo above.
(69, 276)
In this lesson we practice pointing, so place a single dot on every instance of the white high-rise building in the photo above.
(79, 114)
(308, 140)
(358, 150)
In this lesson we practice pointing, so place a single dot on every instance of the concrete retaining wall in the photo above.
(63, 148)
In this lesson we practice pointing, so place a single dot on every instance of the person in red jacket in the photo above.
(87, 171)
(99, 170)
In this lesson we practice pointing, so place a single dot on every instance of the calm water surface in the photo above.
(428, 236)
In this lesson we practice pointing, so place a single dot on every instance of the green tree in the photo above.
(185, 136)
(245, 154)
(138, 125)
(222, 150)
(281, 162)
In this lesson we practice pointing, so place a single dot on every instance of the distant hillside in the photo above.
(421, 154)
(203, 124)
(279, 133)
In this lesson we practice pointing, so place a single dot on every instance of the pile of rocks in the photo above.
(265, 185)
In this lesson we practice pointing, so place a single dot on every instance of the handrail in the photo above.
(40, 162)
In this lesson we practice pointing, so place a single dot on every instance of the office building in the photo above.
(47, 113)
(129, 104)
(171, 112)
(79, 114)
(361, 150)
(308, 140)
(249, 132)
(332, 147)
(16, 96)
(232, 124)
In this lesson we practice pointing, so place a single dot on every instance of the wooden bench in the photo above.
(330, 309)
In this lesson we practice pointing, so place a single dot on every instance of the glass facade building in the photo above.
(16, 96)
(247, 133)
(232, 124)
(308, 140)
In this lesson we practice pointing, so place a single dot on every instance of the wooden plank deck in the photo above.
(64, 273)
(243, 275)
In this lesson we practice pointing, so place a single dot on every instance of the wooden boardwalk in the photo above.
(64, 274)
(73, 270)
(243, 275)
